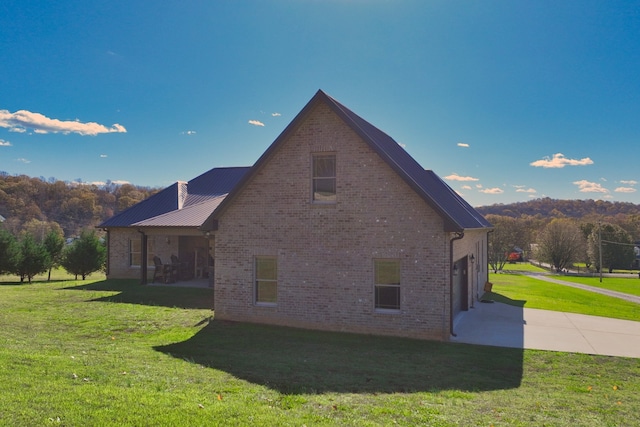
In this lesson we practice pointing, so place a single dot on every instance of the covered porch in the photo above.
(176, 256)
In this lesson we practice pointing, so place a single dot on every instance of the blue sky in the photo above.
(506, 100)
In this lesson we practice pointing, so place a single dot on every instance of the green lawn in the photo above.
(530, 292)
(117, 353)
(630, 285)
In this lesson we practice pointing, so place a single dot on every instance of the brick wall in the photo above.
(119, 238)
(325, 253)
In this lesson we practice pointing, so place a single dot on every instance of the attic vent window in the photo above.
(324, 178)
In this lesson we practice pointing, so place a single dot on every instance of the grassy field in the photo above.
(625, 285)
(518, 289)
(117, 353)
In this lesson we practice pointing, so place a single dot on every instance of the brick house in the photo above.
(336, 227)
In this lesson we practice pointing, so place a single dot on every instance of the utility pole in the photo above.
(600, 248)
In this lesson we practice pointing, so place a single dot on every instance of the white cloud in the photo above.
(275, 114)
(625, 190)
(494, 190)
(4, 143)
(559, 161)
(590, 187)
(463, 144)
(188, 132)
(628, 182)
(466, 187)
(103, 156)
(456, 177)
(23, 160)
(256, 123)
(22, 120)
(526, 190)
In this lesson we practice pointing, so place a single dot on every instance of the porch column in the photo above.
(143, 261)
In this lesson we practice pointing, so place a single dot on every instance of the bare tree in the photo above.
(561, 243)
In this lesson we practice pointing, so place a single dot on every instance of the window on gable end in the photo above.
(324, 178)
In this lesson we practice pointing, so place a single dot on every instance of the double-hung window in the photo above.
(387, 284)
(324, 178)
(266, 276)
(135, 252)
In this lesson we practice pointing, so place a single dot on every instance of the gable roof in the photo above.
(182, 204)
(457, 214)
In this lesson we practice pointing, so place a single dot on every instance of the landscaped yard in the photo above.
(117, 353)
(534, 293)
(627, 285)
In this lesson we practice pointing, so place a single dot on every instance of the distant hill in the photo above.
(552, 208)
(74, 206)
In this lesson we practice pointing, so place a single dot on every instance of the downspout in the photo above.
(143, 255)
(458, 236)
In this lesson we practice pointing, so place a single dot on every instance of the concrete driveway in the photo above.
(503, 325)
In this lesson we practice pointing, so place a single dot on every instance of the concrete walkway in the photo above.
(502, 325)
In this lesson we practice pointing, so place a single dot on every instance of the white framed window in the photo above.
(266, 280)
(323, 178)
(135, 252)
(387, 284)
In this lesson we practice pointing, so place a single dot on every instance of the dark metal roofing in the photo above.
(189, 216)
(181, 201)
(457, 214)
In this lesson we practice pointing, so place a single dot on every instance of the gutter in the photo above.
(458, 236)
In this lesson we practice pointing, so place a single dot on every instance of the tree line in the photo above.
(563, 242)
(49, 223)
(35, 205)
(27, 257)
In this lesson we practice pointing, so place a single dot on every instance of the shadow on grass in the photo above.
(493, 296)
(296, 361)
(131, 292)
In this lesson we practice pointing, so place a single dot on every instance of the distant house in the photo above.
(335, 227)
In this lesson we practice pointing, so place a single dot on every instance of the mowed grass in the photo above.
(117, 353)
(627, 285)
(529, 292)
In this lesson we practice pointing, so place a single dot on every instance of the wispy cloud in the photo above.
(256, 123)
(275, 114)
(103, 156)
(466, 187)
(494, 190)
(188, 132)
(23, 160)
(585, 186)
(4, 143)
(625, 190)
(629, 182)
(456, 177)
(22, 120)
(463, 144)
(559, 161)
